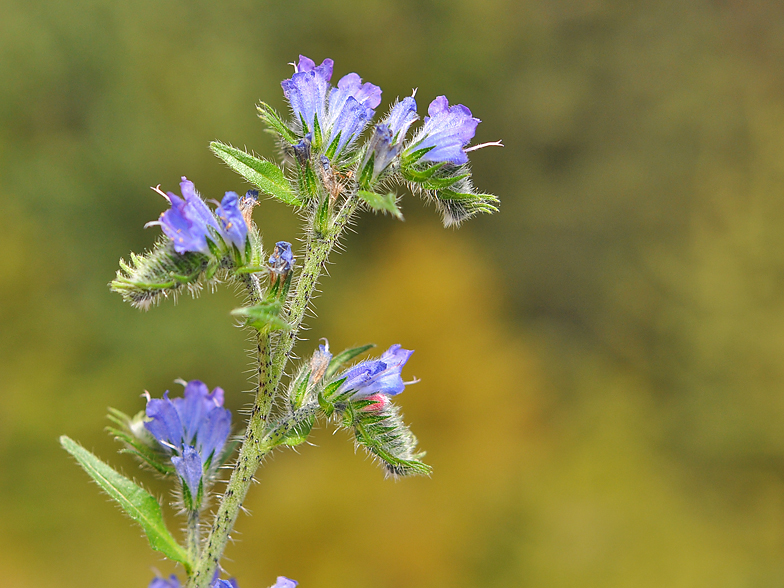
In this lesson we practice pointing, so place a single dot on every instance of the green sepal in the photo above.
(459, 206)
(139, 504)
(442, 182)
(381, 202)
(326, 406)
(366, 174)
(271, 118)
(420, 175)
(188, 499)
(385, 436)
(264, 316)
(158, 273)
(322, 219)
(345, 356)
(414, 156)
(263, 174)
(316, 133)
(147, 455)
(299, 433)
(299, 388)
(330, 152)
(307, 181)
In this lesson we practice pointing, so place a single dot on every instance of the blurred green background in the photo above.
(602, 363)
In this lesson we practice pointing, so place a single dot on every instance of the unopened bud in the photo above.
(281, 261)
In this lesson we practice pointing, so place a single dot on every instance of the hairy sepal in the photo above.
(380, 430)
(159, 272)
(275, 123)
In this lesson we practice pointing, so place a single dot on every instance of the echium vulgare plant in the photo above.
(328, 174)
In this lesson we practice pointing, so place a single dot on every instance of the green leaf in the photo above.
(269, 116)
(139, 504)
(263, 174)
(384, 203)
(344, 357)
(264, 316)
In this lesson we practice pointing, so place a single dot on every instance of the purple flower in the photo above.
(351, 106)
(159, 582)
(284, 582)
(187, 223)
(173, 582)
(341, 113)
(377, 376)
(233, 227)
(401, 117)
(193, 428)
(281, 259)
(446, 131)
(307, 91)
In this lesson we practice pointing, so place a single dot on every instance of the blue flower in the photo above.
(446, 132)
(233, 227)
(159, 582)
(402, 115)
(351, 106)
(193, 428)
(307, 91)
(284, 582)
(188, 222)
(281, 259)
(173, 582)
(377, 376)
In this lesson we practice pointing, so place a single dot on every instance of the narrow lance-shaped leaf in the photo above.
(139, 504)
(263, 174)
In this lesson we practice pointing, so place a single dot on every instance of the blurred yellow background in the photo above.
(602, 362)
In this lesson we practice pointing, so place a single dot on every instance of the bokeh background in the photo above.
(602, 363)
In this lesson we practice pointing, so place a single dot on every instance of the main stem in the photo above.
(271, 367)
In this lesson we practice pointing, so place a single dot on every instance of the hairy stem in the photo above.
(271, 365)
(193, 539)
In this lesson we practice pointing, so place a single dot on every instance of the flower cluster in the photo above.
(191, 225)
(333, 118)
(192, 429)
